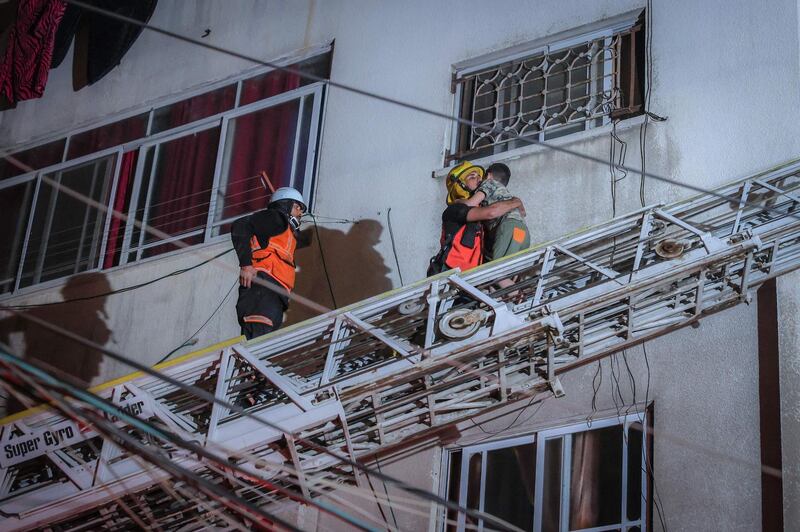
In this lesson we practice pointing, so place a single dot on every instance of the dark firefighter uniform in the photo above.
(267, 241)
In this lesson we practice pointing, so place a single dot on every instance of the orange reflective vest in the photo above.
(465, 250)
(277, 259)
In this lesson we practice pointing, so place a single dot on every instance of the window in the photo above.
(548, 90)
(186, 168)
(568, 479)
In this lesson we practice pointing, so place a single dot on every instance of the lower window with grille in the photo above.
(584, 477)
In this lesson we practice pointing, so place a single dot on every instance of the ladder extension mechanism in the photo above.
(363, 378)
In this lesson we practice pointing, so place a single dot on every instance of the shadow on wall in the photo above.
(84, 318)
(356, 269)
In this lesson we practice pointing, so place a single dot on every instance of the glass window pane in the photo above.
(596, 478)
(67, 232)
(551, 486)
(116, 230)
(15, 204)
(35, 158)
(474, 486)
(302, 148)
(107, 136)
(263, 140)
(634, 471)
(453, 485)
(194, 108)
(176, 198)
(510, 479)
(276, 82)
(166, 248)
(147, 171)
(267, 85)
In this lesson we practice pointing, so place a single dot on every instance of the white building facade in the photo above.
(177, 135)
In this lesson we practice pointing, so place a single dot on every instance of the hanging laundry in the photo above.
(101, 40)
(23, 73)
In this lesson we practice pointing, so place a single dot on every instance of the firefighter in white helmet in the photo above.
(265, 243)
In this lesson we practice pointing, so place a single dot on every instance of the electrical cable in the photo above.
(256, 461)
(648, 459)
(394, 101)
(386, 490)
(191, 336)
(394, 248)
(332, 485)
(204, 394)
(491, 434)
(112, 410)
(596, 384)
(304, 301)
(118, 291)
(23, 395)
(322, 257)
(69, 413)
(648, 115)
(333, 220)
(643, 173)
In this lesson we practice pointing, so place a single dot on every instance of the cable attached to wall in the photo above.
(192, 336)
(648, 89)
(119, 291)
(394, 248)
(322, 257)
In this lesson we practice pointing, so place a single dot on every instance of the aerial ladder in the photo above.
(370, 377)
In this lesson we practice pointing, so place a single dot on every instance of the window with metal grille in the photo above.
(589, 477)
(548, 90)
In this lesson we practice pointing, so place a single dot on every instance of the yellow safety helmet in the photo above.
(456, 187)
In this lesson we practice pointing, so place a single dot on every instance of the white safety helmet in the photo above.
(289, 193)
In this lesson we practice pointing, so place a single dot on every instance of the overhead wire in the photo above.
(70, 413)
(80, 196)
(721, 455)
(273, 286)
(25, 399)
(110, 409)
(203, 394)
(119, 290)
(260, 462)
(643, 173)
(387, 99)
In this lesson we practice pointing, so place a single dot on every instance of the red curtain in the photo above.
(184, 173)
(182, 190)
(23, 73)
(126, 173)
(263, 140)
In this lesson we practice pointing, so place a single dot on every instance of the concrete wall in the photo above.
(789, 340)
(724, 73)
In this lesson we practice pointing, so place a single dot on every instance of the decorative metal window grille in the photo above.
(549, 91)
(580, 478)
(187, 168)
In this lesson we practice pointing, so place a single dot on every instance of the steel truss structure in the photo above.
(369, 376)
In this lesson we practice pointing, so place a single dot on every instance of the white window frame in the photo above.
(605, 29)
(540, 438)
(315, 90)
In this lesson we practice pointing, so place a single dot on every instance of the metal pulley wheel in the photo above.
(462, 323)
(670, 249)
(408, 308)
